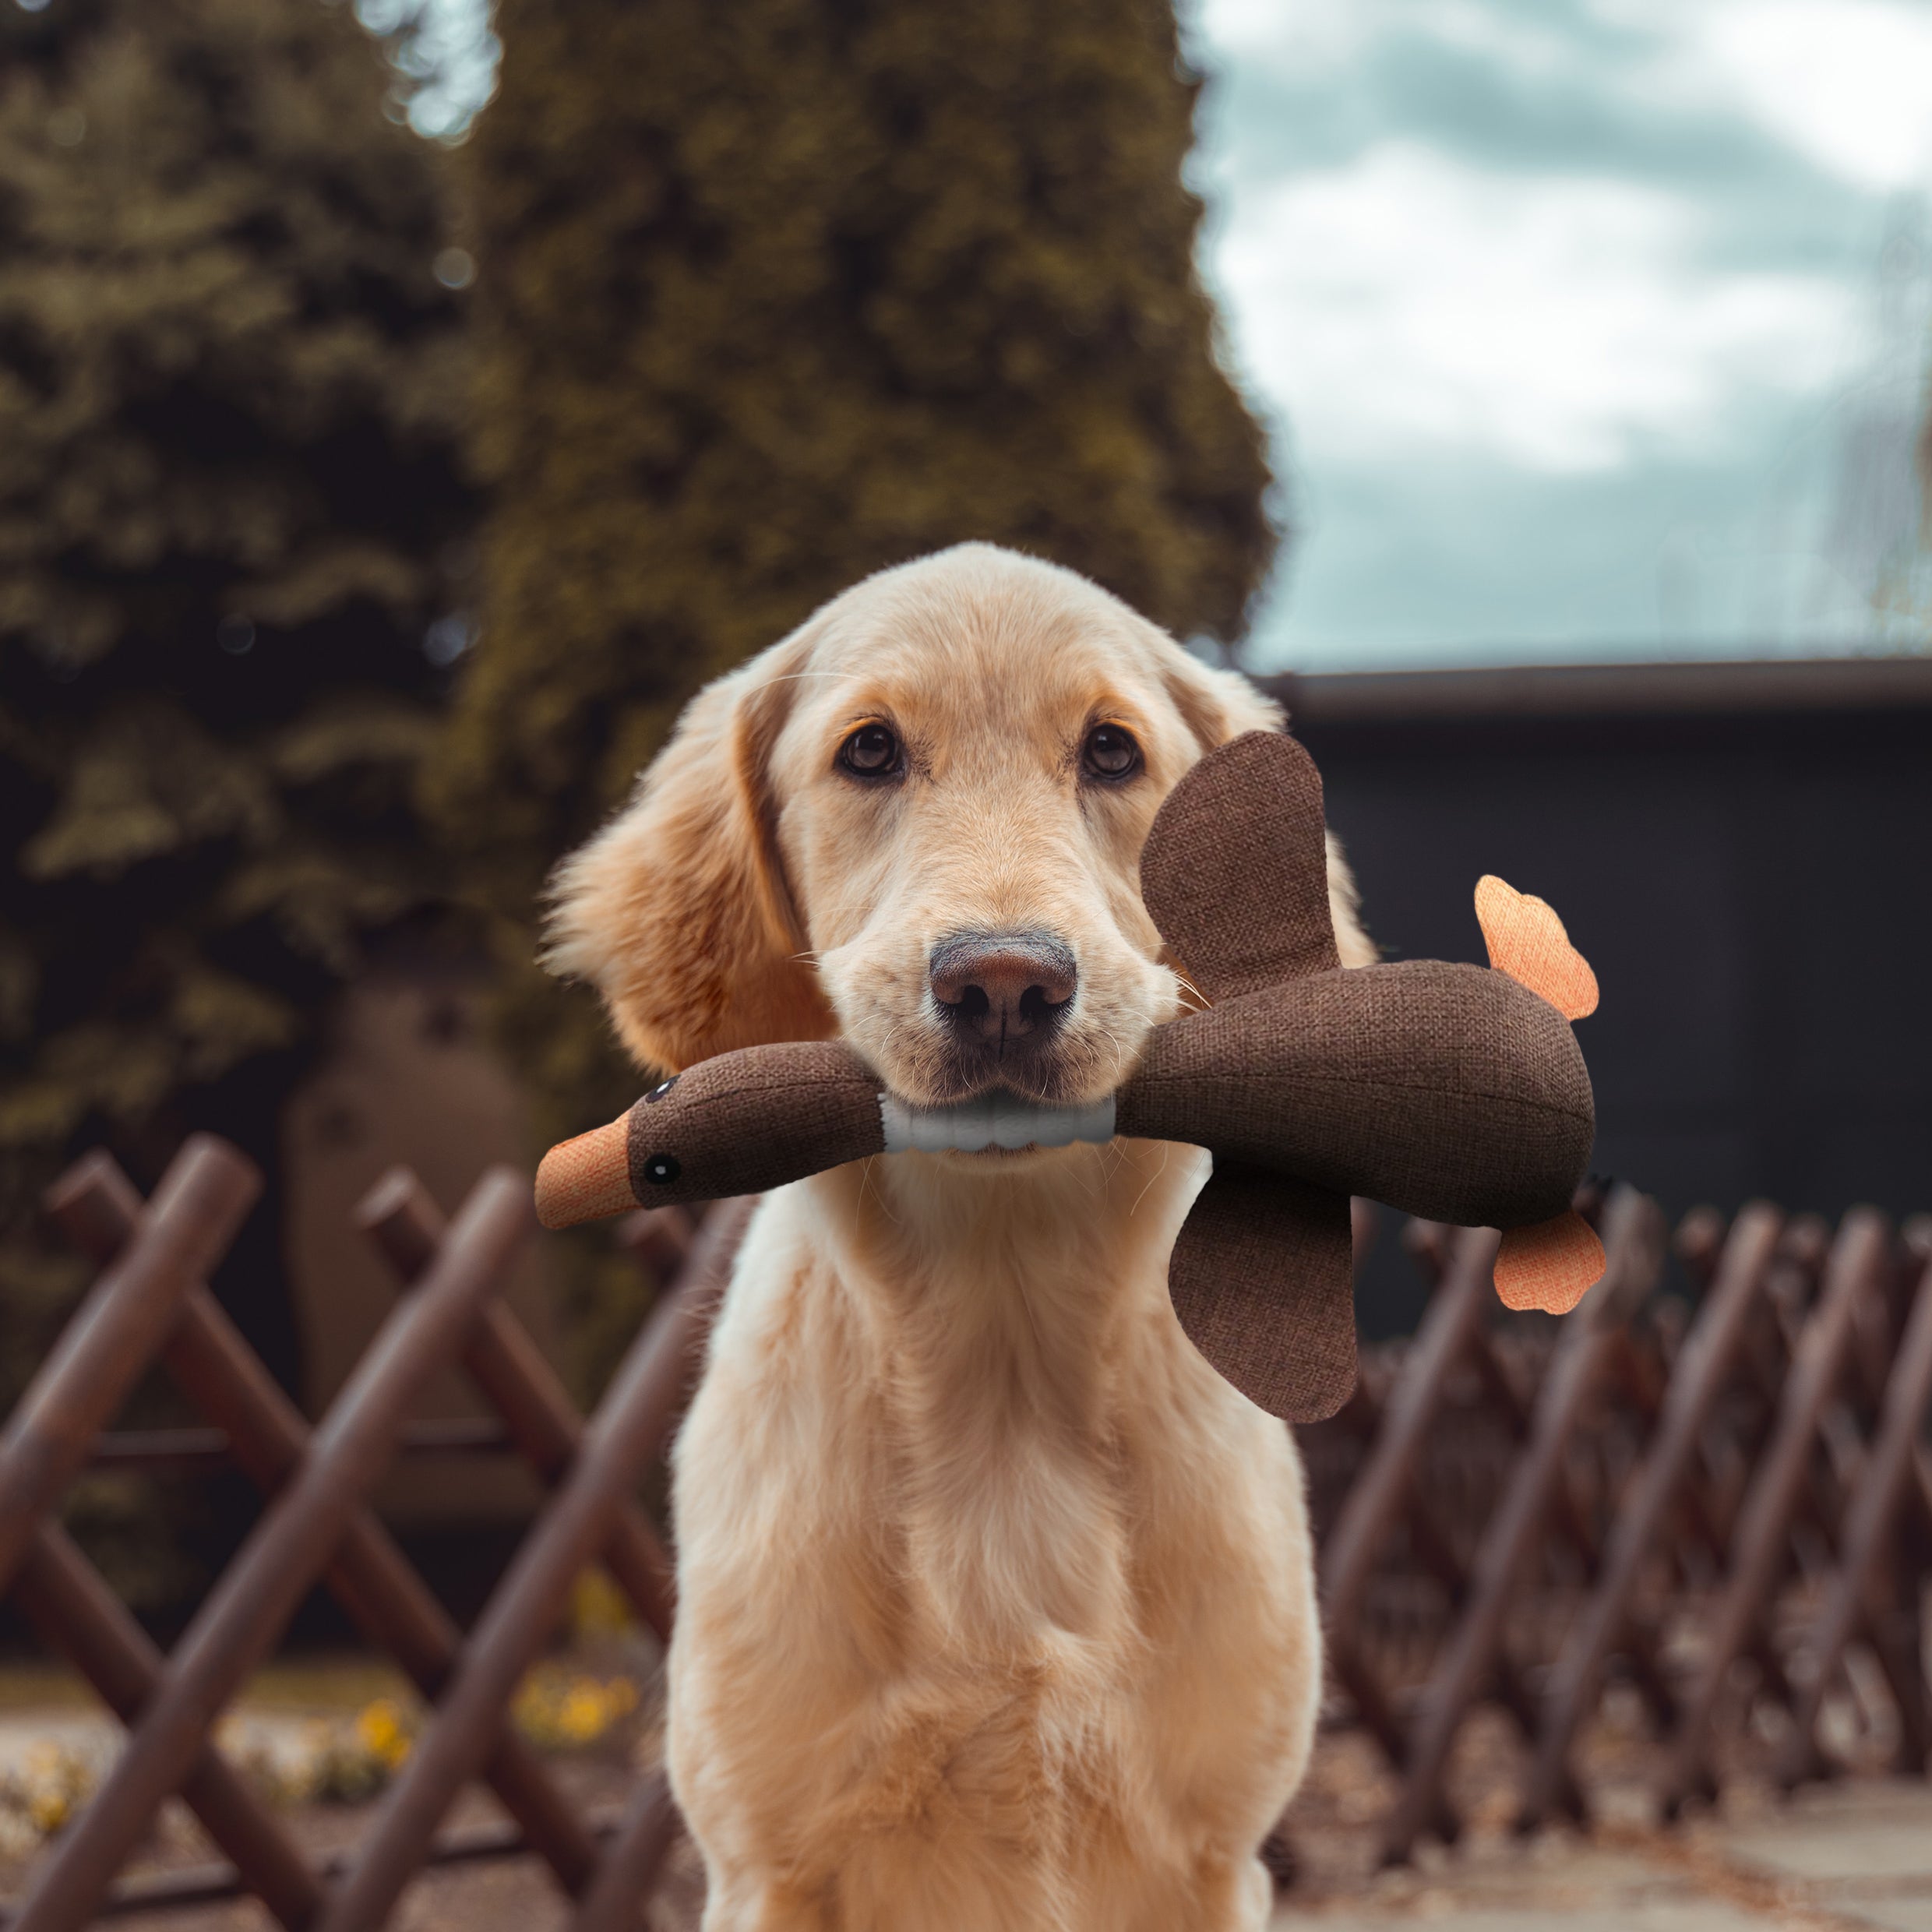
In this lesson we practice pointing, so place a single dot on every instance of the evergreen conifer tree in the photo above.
(775, 294)
(232, 503)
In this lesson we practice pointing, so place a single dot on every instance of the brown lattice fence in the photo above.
(1721, 1499)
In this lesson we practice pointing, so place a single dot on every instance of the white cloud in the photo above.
(1411, 301)
(1312, 38)
(1312, 35)
(1847, 82)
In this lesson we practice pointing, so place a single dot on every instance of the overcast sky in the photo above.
(1583, 328)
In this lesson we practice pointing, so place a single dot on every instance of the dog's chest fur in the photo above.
(993, 1595)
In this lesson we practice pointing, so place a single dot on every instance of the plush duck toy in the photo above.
(1453, 1092)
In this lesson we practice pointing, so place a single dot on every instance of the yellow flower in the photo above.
(583, 1715)
(598, 1608)
(556, 1710)
(380, 1729)
(48, 1809)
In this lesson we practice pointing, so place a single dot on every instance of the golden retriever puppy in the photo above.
(997, 1601)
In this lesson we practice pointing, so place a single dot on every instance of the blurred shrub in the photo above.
(231, 514)
(332, 1760)
(776, 292)
(40, 1794)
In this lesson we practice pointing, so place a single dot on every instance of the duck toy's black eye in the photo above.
(871, 751)
(1110, 752)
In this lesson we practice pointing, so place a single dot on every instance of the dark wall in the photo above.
(1753, 886)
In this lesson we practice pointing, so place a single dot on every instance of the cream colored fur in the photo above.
(996, 1602)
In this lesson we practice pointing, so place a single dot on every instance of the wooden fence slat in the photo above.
(1702, 1365)
(99, 1209)
(1465, 1260)
(630, 1866)
(1856, 1261)
(78, 1615)
(251, 1605)
(630, 1425)
(1441, 1341)
(106, 1348)
(1634, 1245)
(182, 1888)
(1875, 1506)
(188, 1451)
(507, 1366)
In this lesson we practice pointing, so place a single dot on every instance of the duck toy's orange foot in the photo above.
(1551, 1265)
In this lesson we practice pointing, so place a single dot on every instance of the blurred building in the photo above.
(1743, 851)
(406, 1077)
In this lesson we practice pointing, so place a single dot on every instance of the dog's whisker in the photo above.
(868, 1186)
(1202, 1003)
(1151, 1178)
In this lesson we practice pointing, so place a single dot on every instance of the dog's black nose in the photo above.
(1005, 992)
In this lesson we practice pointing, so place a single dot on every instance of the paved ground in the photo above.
(1854, 1857)
(1849, 1858)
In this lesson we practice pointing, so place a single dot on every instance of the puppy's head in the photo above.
(915, 823)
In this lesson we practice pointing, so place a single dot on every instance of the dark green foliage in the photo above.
(774, 293)
(231, 502)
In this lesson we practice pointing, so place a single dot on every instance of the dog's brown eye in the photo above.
(1110, 752)
(871, 752)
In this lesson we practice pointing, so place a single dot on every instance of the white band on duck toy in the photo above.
(995, 1119)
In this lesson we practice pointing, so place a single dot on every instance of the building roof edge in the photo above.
(1598, 690)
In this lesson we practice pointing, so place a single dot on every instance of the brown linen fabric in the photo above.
(754, 1119)
(1234, 870)
(1447, 1090)
(1262, 1281)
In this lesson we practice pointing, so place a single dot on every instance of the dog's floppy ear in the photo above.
(678, 911)
(1215, 705)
